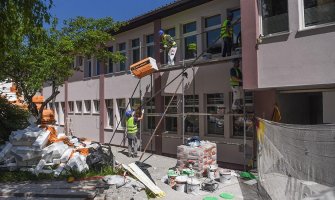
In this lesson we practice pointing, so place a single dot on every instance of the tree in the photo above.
(50, 60)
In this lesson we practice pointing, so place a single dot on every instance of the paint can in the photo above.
(225, 176)
(211, 171)
(181, 183)
(193, 186)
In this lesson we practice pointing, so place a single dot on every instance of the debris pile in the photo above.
(44, 151)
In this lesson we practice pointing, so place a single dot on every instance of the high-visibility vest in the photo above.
(225, 30)
(131, 126)
(234, 82)
(168, 41)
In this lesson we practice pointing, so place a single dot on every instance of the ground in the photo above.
(88, 189)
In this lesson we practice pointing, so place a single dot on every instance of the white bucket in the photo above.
(193, 186)
(181, 183)
(211, 171)
(225, 176)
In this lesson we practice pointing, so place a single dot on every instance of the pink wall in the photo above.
(249, 31)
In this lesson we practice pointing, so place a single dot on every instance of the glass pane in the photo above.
(122, 46)
(110, 49)
(189, 52)
(135, 43)
(135, 103)
(110, 66)
(136, 55)
(215, 98)
(236, 27)
(171, 124)
(319, 12)
(191, 100)
(150, 51)
(213, 21)
(274, 16)
(192, 124)
(150, 38)
(121, 104)
(150, 103)
(167, 100)
(171, 32)
(98, 67)
(110, 116)
(190, 27)
(238, 126)
(211, 37)
(215, 124)
(123, 64)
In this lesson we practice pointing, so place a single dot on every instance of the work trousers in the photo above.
(171, 55)
(132, 144)
(237, 97)
(227, 43)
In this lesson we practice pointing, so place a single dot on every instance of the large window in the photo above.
(190, 40)
(215, 106)
(149, 118)
(318, 12)
(87, 104)
(212, 29)
(122, 49)
(192, 120)
(71, 107)
(110, 67)
(97, 68)
(172, 33)
(96, 104)
(88, 68)
(274, 16)
(121, 106)
(150, 45)
(135, 45)
(78, 107)
(236, 28)
(171, 121)
(110, 113)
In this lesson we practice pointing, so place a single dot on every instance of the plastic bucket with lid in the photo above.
(181, 183)
(193, 186)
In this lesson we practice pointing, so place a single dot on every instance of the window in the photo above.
(87, 104)
(171, 121)
(78, 106)
(274, 16)
(96, 104)
(149, 118)
(110, 113)
(79, 61)
(88, 68)
(318, 12)
(71, 106)
(122, 49)
(121, 105)
(110, 62)
(135, 103)
(192, 121)
(150, 45)
(215, 106)
(97, 68)
(172, 33)
(57, 113)
(190, 40)
(212, 29)
(135, 45)
(238, 125)
(236, 28)
(62, 114)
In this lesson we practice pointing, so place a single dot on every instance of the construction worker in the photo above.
(170, 45)
(132, 131)
(227, 35)
(236, 85)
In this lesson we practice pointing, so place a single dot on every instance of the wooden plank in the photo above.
(139, 174)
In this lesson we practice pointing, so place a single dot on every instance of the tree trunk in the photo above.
(55, 92)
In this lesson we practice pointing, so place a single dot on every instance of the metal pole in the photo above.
(183, 105)
(244, 132)
(151, 108)
(141, 122)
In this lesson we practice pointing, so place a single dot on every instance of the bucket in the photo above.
(211, 171)
(181, 183)
(225, 176)
(193, 186)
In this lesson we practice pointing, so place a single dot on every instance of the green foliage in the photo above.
(12, 118)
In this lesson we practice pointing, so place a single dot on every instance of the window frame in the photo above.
(124, 53)
(196, 106)
(150, 108)
(86, 111)
(302, 25)
(110, 119)
(149, 45)
(135, 48)
(71, 107)
(212, 28)
(189, 34)
(121, 113)
(110, 62)
(96, 106)
(77, 111)
(172, 105)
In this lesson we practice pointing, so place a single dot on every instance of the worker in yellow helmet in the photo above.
(169, 44)
(132, 131)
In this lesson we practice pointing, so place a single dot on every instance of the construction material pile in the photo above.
(44, 151)
(200, 154)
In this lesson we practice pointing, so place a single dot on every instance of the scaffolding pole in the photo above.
(244, 133)
(183, 103)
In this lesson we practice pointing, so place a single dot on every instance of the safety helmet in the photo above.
(129, 113)
(160, 32)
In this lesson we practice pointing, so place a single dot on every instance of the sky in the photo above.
(119, 10)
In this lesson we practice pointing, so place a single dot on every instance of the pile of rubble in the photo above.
(44, 151)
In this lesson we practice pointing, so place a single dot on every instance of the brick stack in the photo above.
(202, 156)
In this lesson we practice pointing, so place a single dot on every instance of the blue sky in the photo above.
(119, 10)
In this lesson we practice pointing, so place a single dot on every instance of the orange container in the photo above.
(143, 67)
(38, 99)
